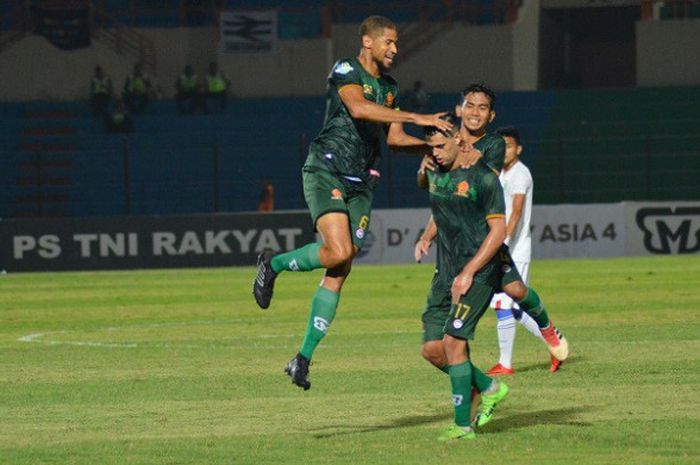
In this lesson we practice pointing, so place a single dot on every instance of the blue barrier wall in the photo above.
(582, 146)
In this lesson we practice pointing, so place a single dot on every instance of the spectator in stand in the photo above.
(267, 197)
(137, 90)
(188, 96)
(100, 92)
(217, 87)
(118, 120)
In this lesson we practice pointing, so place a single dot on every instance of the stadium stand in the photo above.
(582, 146)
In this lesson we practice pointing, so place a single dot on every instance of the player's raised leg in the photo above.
(337, 251)
(530, 302)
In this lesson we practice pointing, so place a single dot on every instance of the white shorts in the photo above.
(501, 301)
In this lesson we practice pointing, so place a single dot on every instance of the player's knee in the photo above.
(433, 353)
(339, 255)
(516, 290)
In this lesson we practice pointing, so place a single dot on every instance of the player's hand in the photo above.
(461, 285)
(433, 120)
(421, 250)
(427, 163)
(468, 156)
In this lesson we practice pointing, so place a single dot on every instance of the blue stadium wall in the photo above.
(582, 146)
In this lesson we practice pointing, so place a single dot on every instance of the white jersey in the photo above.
(517, 180)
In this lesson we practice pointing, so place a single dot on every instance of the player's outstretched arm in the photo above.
(360, 108)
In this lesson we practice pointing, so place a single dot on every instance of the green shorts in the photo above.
(508, 272)
(325, 193)
(440, 317)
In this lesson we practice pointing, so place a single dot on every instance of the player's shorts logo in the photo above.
(668, 230)
(506, 268)
(360, 233)
(336, 194)
(457, 324)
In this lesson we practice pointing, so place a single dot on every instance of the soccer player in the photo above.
(339, 177)
(476, 143)
(517, 187)
(468, 212)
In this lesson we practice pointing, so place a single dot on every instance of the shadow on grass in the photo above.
(403, 422)
(562, 417)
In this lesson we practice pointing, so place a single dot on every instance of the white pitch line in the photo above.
(39, 338)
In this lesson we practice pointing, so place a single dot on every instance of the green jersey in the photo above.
(346, 146)
(493, 147)
(461, 202)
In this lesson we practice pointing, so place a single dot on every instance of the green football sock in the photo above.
(305, 258)
(533, 306)
(479, 380)
(323, 307)
(461, 379)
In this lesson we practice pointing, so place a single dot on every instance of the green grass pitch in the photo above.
(181, 367)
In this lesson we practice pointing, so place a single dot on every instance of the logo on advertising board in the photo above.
(669, 230)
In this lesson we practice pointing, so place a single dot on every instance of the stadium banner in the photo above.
(148, 241)
(662, 228)
(578, 230)
(393, 235)
(248, 31)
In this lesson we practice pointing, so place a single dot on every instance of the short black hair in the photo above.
(372, 24)
(509, 131)
(450, 118)
(480, 87)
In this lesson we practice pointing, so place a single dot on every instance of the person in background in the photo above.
(188, 97)
(217, 87)
(100, 92)
(137, 90)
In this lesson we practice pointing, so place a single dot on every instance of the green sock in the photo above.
(533, 306)
(479, 380)
(461, 379)
(323, 307)
(305, 258)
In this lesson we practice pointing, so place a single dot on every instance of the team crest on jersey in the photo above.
(343, 68)
(336, 194)
(389, 99)
(462, 189)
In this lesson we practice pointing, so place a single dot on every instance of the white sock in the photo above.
(530, 324)
(506, 340)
